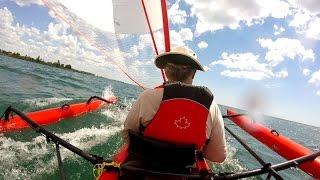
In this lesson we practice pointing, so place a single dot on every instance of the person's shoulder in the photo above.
(214, 104)
(214, 108)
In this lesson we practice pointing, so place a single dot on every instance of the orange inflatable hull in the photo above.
(280, 144)
(50, 116)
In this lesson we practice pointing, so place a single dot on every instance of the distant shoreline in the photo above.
(40, 61)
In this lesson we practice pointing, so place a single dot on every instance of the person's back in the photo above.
(179, 113)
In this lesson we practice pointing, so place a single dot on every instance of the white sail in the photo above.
(98, 13)
(121, 16)
(129, 16)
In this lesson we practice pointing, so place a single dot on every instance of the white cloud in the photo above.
(243, 65)
(202, 45)
(272, 85)
(313, 30)
(315, 81)
(215, 15)
(300, 19)
(28, 2)
(309, 5)
(306, 72)
(177, 16)
(179, 37)
(253, 75)
(315, 78)
(283, 48)
(306, 21)
(242, 61)
(281, 74)
(278, 30)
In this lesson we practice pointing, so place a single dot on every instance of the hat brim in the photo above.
(177, 58)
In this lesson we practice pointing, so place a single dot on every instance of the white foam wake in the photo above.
(118, 113)
(17, 158)
(107, 92)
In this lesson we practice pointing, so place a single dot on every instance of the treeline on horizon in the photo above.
(40, 61)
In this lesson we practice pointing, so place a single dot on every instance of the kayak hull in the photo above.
(280, 144)
(50, 116)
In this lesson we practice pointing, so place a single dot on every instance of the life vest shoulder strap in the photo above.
(199, 94)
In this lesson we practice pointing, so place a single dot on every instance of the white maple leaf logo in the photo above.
(182, 123)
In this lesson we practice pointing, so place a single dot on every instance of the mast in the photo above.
(166, 31)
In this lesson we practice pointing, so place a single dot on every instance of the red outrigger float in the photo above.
(280, 144)
(54, 115)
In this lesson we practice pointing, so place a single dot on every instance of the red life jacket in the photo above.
(173, 140)
(182, 116)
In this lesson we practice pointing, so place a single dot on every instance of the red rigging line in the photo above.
(46, 3)
(165, 22)
(152, 37)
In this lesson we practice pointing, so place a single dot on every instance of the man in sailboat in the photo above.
(177, 113)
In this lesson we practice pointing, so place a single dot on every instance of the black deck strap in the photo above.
(65, 106)
(100, 98)
(274, 132)
(6, 114)
(199, 94)
(234, 115)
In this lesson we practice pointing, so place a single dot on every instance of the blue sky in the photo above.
(254, 50)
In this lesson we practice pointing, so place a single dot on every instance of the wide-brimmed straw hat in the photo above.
(180, 55)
